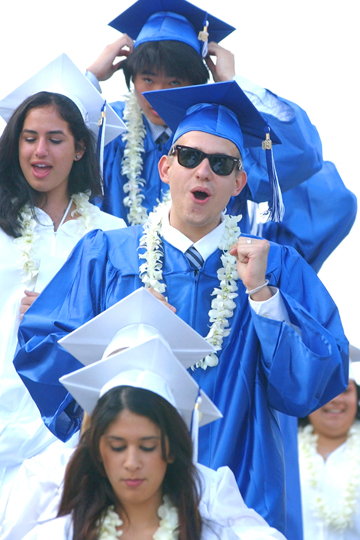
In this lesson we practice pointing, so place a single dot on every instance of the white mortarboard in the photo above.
(150, 365)
(354, 368)
(132, 320)
(63, 77)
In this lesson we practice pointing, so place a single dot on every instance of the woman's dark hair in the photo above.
(15, 191)
(302, 422)
(174, 58)
(87, 491)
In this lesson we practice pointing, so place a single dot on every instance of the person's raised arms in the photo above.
(251, 262)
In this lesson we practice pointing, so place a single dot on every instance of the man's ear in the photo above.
(240, 182)
(164, 166)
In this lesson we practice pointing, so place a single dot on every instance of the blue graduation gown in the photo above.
(318, 215)
(264, 366)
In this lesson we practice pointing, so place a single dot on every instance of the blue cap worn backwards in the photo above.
(224, 110)
(176, 20)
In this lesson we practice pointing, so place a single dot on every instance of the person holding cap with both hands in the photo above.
(171, 43)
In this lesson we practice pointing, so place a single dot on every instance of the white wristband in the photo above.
(253, 291)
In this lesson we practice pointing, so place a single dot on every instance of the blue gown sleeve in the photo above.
(318, 215)
(76, 294)
(297, 159)
(308, 366)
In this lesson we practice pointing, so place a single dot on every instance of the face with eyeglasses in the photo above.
(203, 173)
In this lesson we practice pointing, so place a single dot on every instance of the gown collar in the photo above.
(205, 246)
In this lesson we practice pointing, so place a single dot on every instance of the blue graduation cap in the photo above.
(224, 110)
(177, 20)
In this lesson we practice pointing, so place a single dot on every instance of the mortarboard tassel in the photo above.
(276, 206)
(195, 421)
(204, 36)
(101, 142)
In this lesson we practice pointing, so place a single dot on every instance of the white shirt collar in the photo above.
(156, 131)
(205, 246)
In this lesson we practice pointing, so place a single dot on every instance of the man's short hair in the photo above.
(173, 58)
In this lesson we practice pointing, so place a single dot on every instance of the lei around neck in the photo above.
(168, 526)
(132, 162)
(223, 305)
(341, 518)
(87, 218)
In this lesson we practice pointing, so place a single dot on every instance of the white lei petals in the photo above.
(26, 243)
(132, 163)
(169, 521)
(341, 518)
(89, 215)
(223, 305)
(109, 525)
(168, 527)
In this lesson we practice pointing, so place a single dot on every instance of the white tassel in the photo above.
(196, 417)
(102, 126)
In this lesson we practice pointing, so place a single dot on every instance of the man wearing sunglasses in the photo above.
(277, 336)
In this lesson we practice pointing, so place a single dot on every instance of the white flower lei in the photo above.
(132, 163)
(168, 527)
(223, 305)
(27, 242)
(340, 519)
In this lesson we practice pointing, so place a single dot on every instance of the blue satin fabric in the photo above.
(294, 524)
(297, 159)
(319, 214)
(264, 366)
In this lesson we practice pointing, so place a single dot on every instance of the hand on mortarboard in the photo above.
(224, 69)
(104, 67)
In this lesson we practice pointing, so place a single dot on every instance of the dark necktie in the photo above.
(194, 258)
(162, 140)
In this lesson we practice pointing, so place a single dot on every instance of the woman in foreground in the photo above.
(132, 474)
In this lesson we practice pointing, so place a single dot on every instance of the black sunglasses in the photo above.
(220, 164)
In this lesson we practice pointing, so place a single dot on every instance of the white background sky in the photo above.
(305, 51)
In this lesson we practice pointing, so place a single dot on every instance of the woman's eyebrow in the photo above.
(53, 132)
(114, 437)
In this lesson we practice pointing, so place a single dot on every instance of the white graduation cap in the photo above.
(63, 77)
(354, 368)
(131, 321)
(150, 365)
